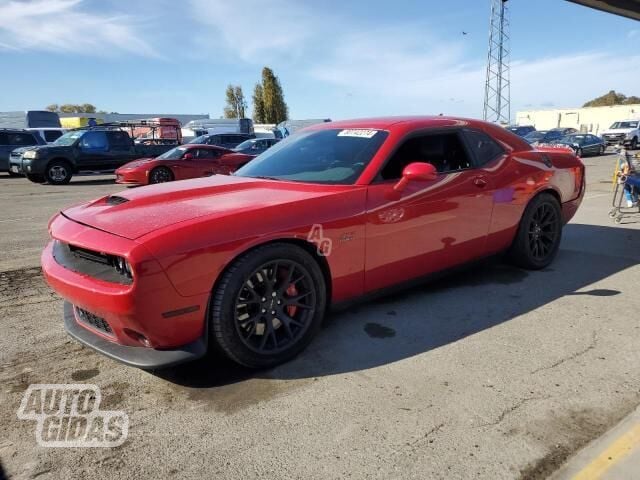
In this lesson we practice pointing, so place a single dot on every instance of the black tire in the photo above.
(634, 143)
(579, 152)
(253, 319)
(14, 174)
(539, 234)
(35, 178)
(161, 175)
(58, 172)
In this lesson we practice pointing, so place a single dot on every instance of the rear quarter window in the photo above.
(483, 147)
(21, 139)
(52, 135)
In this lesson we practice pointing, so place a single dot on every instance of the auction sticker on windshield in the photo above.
(357, 132)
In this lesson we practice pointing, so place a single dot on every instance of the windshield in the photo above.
(323, 156)
(246, 144)
(69, 138)
(172, 154)
(625, 125)
(534, 136)
(200, 139)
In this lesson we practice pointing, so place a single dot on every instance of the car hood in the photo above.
(618, 130)
(136, 163)
(134, 213)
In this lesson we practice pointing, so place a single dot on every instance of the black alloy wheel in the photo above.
(160, 175)
(268, 305)
(539, 234)
(275, 306)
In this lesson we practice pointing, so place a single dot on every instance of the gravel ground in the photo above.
(491, 373)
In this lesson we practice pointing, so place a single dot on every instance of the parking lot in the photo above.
(493, 373)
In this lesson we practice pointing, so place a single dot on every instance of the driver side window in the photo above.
(444, 151)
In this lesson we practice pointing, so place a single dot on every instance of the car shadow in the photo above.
(438, 313)
(81, 182)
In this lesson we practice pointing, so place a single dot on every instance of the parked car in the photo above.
(225, 140)
(547, 136)
(583, 144)
(48, 134)
(15, 138)
(249, 263)
(624, 133)
(256, 146)
(180, 163)
(101, 148)
(521, 130)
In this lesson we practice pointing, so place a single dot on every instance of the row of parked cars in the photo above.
(626, 132)
(110, 147)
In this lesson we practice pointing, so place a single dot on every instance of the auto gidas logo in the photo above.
(69, 415)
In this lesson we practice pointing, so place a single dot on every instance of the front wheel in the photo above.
(161, 175)
(58, 172)
(634, 143)
(268, 305)
(602, 149)
(539, 234)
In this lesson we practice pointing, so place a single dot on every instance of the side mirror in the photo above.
(416, 171)
(188, 156)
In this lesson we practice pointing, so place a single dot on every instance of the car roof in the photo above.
(189, 146)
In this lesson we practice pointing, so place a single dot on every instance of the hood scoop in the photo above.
(115, 200)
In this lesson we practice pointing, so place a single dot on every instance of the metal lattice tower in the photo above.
(497, 89)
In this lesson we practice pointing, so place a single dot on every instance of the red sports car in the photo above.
(252, 261)
(181, 163)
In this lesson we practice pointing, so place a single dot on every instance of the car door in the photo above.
(431, 225)
(206, 162)
(5, 151)
(94, 151)
(592, 144)
(120, 148)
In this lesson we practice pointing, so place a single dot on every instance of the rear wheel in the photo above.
(35, 178)
(58, 172)
(539, 234)
(161, 175)
(268, 305)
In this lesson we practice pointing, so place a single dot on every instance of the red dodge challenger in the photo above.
(180, 163)
(250, 263)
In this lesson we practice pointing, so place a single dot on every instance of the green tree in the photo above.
(236, 104)
(88, 108)
(612, 98)
(68, 108)
(54, 107)
(258, 104)
(275, 108)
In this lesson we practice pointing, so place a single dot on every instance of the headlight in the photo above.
(122, 267)
(30, 154)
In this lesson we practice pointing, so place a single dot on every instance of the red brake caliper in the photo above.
(292, 291)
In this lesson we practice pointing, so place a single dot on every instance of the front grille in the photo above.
(89, 262)
(94, 321)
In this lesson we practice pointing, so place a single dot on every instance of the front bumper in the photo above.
(140, 357)
(131, 177)
(146, 323)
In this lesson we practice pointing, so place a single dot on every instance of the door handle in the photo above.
(480, 182)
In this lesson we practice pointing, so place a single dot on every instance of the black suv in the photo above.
(12, 138)
(226, 140)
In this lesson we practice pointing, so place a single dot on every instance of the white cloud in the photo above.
(62, 26)
(255, 29)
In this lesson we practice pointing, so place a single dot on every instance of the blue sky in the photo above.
(337, 59)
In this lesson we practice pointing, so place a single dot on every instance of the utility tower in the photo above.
(497, 88)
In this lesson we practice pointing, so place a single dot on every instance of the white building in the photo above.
(586, 120)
